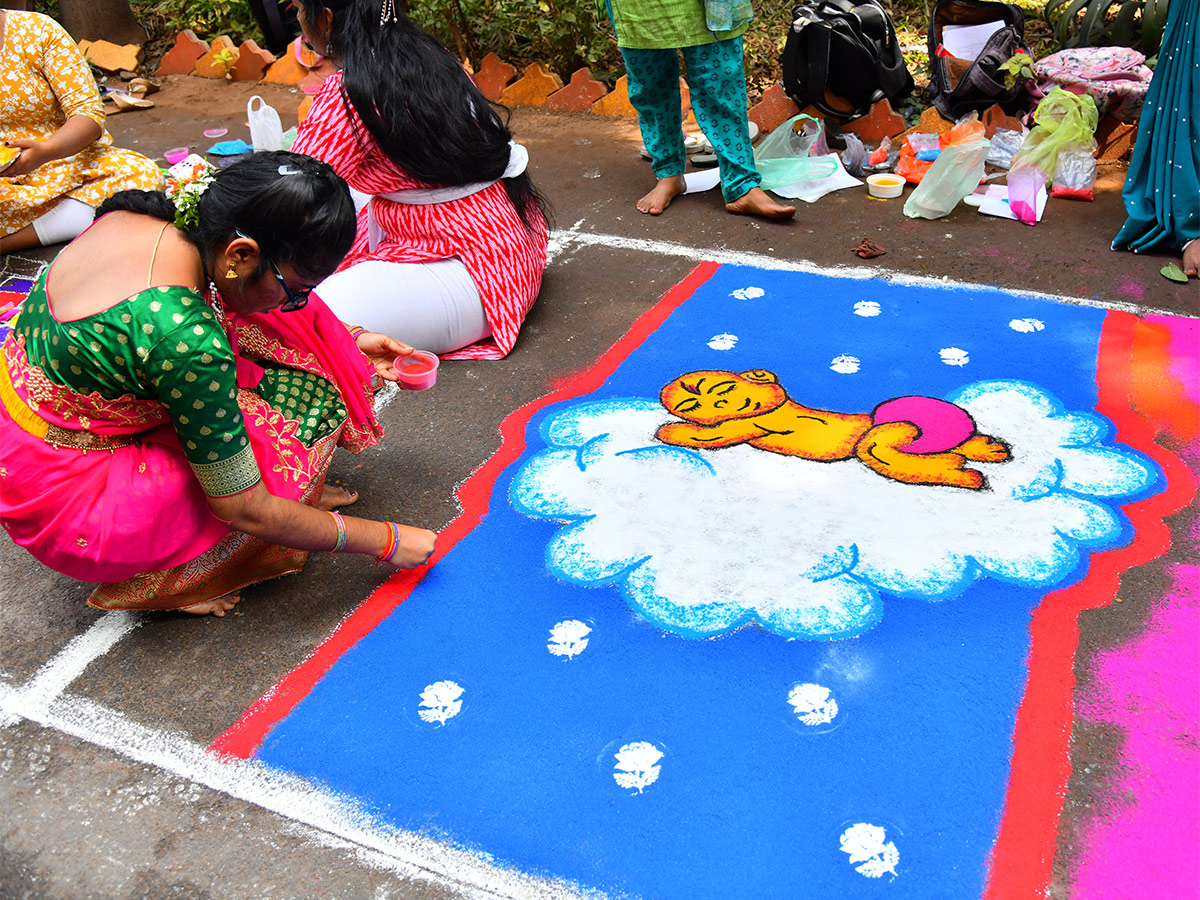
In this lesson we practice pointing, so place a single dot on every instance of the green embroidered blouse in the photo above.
(164, 344)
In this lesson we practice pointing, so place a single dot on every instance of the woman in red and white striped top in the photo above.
(452, 236)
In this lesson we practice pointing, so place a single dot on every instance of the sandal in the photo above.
(126, 102)
(140, 87)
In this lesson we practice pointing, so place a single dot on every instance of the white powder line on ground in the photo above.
(68, 664)
(563, 240)
(341, 823)
(560, 240)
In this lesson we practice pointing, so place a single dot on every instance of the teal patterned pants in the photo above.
(717, 84)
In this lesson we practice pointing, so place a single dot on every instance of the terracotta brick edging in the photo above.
(538, 85)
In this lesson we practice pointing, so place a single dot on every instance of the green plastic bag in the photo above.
(782, 157)
(1061, 118)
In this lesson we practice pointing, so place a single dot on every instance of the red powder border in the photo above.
(245, 736)
(1021, 860)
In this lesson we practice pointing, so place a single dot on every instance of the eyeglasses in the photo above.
(295, 299)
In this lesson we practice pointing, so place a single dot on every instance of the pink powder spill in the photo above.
(1149, 846)
(1185, 351)
(1131, 289)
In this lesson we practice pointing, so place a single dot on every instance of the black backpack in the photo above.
(845, 48)
(958, 86)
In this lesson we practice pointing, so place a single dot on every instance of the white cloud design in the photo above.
(700, 542)
(954, 356)
(866, 308)
(723, 341)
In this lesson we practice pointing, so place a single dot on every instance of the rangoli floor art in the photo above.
(780, 599)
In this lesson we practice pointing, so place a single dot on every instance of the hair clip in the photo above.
(387, 13)
(285, 169)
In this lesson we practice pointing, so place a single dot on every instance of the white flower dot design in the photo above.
(568, 638)
(813, 704)
(869, 851)
(637, 765)
(845, 365)
(440, 702)
(1026, 326)
(748, 293)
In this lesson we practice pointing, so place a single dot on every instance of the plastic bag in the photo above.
(955, 173)
(266, 131)
(879, 156)
(1062, 119)
(855, 155)
(1005, 145)
(1024, 185)
(788, 156)
(1075, 174)
(914, 169)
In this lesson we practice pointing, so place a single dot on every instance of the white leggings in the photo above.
(64, 222)
(432, 306)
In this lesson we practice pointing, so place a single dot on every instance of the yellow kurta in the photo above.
(44, 80)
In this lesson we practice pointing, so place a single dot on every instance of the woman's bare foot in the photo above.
(1191, 259)
(755, 202)
(660, 198)
(216, 607)
(334, 496)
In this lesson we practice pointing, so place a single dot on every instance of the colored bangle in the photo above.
(340, 544)
(355, 331)
(392, 543)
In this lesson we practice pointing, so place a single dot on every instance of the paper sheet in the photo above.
(966, 41)
(814, 189)
(995, 202)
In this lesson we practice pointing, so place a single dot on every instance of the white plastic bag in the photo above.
(266, 131)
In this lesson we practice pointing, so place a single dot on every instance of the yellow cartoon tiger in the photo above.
(918, 440)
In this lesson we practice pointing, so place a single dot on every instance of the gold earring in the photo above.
(231, 274)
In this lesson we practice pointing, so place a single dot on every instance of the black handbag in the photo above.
(958, 86)
(847, 49)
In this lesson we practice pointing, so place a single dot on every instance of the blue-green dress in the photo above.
(1162, 190)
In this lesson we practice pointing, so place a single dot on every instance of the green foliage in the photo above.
(1017, 69)
(562, 34)
(1099, 23)
(48, 7)
(208, 18)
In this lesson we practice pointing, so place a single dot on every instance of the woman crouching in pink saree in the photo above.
(172, 397)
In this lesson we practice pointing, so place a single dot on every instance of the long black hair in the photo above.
(419, 104)
(295, 207)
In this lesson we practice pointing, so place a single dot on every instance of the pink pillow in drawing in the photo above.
(943, 425)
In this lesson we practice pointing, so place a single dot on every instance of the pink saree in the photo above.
(99, 488)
